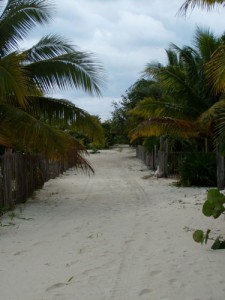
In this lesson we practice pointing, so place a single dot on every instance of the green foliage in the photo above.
(121, 121)
(150, 142)
(109, 137)
(213, 207)
(118, 124)
(198, 169)
(198, 236)
(26, 76)
(3, 210)
(218, 244)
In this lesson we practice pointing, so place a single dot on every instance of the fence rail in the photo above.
(22, 174)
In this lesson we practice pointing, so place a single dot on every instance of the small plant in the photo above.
(198, 169)
(2, 211)
(11, 215)
(94, 148)
(213, 207)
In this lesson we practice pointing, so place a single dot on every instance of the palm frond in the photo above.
(172, 57)
(32, 134)
(206, 42)
(64, 113)
(215, 71)
(18, 18)
(48, 47)
(164, 126)
(13, 80)
(151, 70)
(204, 4)
(70, 70)
(180, 78)
(216, 115)
(164, 107)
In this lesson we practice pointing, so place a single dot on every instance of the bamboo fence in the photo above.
(22, 174)
(170, 161)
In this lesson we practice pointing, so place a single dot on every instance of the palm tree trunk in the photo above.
(220, 169)
(163, 158)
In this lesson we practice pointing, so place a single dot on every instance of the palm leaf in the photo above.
(206, 42)
(49, 46)
(18, 18)
(215, 71)
(164, 107)
(64, 114)
(164, 126)
(13, 79)
(33, 135)
(180, 78)
(216, 115)
(208, 4)
(76, 69)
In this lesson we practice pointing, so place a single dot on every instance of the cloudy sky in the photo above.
(125, 35)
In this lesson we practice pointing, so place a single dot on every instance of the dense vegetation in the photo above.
(181, 101)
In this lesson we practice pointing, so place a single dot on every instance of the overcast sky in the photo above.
(125, 35)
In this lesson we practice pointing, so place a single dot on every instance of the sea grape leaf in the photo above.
(215, 195)
(213, 206)
(218, 244)
(198, 236)
(207, 208)
(218, 210)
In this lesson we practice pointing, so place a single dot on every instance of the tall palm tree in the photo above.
(186, 94)
(188, 106)
(30, 119)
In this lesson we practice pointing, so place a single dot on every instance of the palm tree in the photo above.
(185, 92)
(29, 119)
(187, 107)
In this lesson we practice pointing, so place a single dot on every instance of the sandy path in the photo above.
(112, 236)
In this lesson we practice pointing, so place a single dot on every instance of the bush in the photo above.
(198, 169)
(213, 207)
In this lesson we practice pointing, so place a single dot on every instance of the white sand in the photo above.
(114, 235)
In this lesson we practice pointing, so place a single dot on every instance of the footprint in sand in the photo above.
(144, 292)
(154, 273)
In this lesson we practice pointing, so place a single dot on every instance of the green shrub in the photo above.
(212, 207)
(198, 169)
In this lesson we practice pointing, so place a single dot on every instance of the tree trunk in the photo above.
(162, 170)
(220, 170)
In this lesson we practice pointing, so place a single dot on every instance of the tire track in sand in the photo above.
(133, 266)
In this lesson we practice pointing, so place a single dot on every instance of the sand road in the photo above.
(117, 235)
